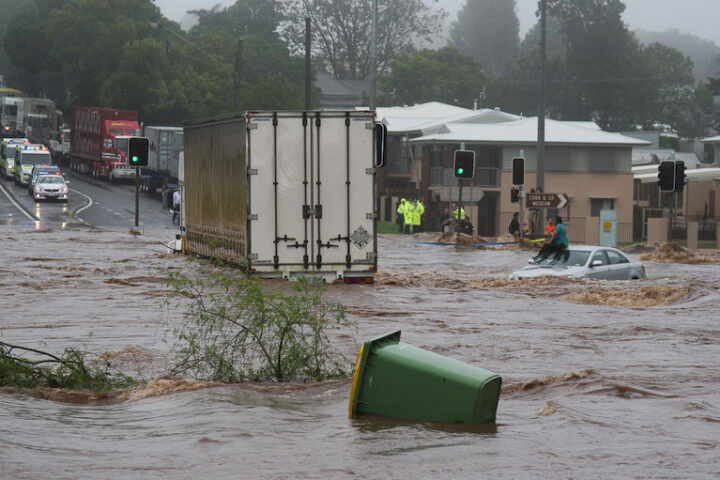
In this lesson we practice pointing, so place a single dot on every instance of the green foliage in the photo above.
(341, 32)
(235, 330)
(387, 227)
(488, 31)
(442, 75)
(73, 370)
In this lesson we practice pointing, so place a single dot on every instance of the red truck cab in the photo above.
(100, 141)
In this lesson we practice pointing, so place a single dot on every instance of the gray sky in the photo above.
(697, 17)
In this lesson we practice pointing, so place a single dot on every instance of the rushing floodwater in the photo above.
(589, 390)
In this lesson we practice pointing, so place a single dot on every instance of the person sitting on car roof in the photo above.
(558, 242)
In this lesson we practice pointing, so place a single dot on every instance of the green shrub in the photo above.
(235, 330)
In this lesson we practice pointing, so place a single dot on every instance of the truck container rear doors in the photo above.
(311, 192)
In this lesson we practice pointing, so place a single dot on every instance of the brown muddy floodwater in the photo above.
(601, 380)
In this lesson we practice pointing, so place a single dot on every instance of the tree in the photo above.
(488, 31)
(341, 31)
(444, 75)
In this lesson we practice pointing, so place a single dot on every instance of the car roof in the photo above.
(589, 248)
(50, 175)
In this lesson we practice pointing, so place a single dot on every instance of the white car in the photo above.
(50, 187)
(584, 261)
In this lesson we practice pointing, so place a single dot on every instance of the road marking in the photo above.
(79, 210)
(17, 205)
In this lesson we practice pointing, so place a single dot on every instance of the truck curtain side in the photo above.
(284, 193)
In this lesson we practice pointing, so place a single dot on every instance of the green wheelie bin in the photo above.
(394, 379)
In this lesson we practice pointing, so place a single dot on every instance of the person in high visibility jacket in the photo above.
(549, 227)
(401, 212)
(459, 212)
(408, 217)
(417, 216)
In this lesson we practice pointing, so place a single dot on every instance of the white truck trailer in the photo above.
(285, 193)
(164, 153)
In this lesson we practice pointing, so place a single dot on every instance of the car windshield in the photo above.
(35, 158)
(568, 258)
(51, 179)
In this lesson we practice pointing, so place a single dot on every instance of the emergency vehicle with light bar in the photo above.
(26, 157)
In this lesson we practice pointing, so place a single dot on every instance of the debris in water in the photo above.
(674, 253)
(548, 409)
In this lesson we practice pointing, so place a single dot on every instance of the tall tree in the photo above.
(342, 31)
(441, 75)
(488, 31)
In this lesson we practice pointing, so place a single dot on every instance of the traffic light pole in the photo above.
(521, 215)
(137, 196)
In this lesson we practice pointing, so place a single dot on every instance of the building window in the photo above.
(597, 204)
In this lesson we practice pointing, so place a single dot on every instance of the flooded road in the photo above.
(598, 381)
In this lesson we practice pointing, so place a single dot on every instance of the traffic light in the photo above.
(679, 176)
(514, 195)
(138, 151)
(666, 176)
(464, 164)
(518, 171)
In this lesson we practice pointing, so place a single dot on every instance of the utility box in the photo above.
(394, 379)
(284, 193)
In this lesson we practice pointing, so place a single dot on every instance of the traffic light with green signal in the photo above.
(666, 176)
(464, 164)
(138, 151)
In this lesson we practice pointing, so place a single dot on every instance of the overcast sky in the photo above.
(698, 17)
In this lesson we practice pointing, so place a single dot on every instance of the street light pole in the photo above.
(373, 58)
(234, 72)
(540, 168)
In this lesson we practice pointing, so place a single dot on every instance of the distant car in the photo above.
(7, 155)
(50, 187)
(26, 157)
(38, 170)
(584, 261)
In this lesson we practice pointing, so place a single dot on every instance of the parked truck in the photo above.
(285, 193)
(164, 154)
(99, 141)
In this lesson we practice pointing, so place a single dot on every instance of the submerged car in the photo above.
(50, 187)
(584, 261)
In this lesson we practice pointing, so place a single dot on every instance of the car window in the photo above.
(50, 179)
(599, 255)
(616, 257)
(568, 258)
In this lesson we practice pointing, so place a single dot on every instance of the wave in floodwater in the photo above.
(641, 297)
(674, 253)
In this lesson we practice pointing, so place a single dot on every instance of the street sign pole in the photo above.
(522, 210)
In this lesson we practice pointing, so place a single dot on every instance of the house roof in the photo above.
(524, 131)
(421, 110)
(710, 139)
(653, 156)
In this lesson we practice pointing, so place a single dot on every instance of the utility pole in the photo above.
(373, 58)
(308, 65)
(540, 168)
(236, 75)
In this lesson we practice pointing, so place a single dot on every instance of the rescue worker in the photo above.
(401, 212)
(458, 212)
(408, 217)
(417, 216)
